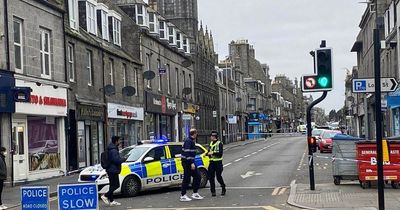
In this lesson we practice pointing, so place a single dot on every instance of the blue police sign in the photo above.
(78, 196)
(35, 197)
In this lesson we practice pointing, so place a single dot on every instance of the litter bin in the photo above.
(367, 163)
(344, 166)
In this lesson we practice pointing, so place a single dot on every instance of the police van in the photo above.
(154, 164)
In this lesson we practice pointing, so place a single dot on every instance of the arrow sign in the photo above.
(249, 174)
(367, 85)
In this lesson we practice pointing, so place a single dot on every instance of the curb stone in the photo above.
(290, 201)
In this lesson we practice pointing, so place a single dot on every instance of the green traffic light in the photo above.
(323, 81)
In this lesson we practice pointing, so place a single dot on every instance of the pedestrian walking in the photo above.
(3, 174)
(189, 168)
(113, 170)
(215, 168)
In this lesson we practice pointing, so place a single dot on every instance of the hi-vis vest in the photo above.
(214, 147)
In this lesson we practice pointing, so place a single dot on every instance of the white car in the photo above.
(148, 166)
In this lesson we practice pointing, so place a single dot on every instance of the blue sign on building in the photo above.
(360, 85)
(78, 196)
(35, 197)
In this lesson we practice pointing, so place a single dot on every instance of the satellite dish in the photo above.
(149, 75)
(109, 90)
(238, 99)
(186, 63)
(187, 91)
(128, 91)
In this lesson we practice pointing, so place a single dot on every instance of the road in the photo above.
(257, 176)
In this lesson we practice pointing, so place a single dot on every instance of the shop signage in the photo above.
(45, 100)
(35, 197)
(160, 104)
(78, 196)
(120, 111)
(94, 113)
(190, 108)
(186, 117)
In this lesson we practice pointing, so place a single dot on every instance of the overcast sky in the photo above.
(284, 32)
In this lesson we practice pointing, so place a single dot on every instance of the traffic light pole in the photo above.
(309, 129)
(378, 114)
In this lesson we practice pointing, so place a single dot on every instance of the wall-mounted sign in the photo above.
(120, 111)
(45, 100)
(160, 104)
(85, 112)
(162, 70)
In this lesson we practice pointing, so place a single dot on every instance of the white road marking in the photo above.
(254, 153)
(276, 190)
(252, 188)
(237, 160)
(301, 161)
(282, 191)
(247, 156)
(234, 206)
(227, 164)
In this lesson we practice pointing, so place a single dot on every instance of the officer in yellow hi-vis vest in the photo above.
(216, 167)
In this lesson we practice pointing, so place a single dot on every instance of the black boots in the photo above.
(223, 191)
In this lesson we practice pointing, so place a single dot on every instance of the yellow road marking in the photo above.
(276, 190)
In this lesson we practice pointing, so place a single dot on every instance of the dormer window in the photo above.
(171, 35)
(102, 21)
(163, 30)
(91, 17)
(141, 15)
(73, 14)
(115, 27)
(188, 46)
(153, 23)
(179, 40)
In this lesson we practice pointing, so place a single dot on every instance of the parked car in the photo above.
(316, 133)
(325, 142)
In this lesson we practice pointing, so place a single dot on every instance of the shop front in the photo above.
(38, 133)
(160, 117)
(90, 134)
(393, 103)
(126, 122)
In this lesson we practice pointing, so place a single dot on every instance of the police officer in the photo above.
(189, 167)
(216, 167)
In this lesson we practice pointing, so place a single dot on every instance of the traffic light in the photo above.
(312, 144)
(323, 80)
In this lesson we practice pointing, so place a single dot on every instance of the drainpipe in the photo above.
(6, 34)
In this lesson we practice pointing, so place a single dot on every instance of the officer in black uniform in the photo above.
(215, 168)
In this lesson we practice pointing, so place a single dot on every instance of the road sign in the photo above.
(35, 197)
(367, 85)
(162, 70)
(78, 196)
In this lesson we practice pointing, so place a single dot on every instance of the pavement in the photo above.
(346, 196)
(11, 195)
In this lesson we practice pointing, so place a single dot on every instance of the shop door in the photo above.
(87, 142)
(20, 155)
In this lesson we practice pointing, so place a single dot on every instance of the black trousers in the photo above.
(215, 169)
(114, 184)
(1, 190)
(187, 174)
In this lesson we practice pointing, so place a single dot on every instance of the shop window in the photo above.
(43, 143)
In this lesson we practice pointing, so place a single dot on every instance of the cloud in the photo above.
(284, 32)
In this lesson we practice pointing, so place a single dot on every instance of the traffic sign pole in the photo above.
(378, 117)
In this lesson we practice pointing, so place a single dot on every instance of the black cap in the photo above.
(214, 133)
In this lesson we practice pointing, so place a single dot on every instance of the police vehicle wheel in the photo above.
(130, 186)
(203, 178)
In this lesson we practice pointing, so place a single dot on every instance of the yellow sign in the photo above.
(385, 149)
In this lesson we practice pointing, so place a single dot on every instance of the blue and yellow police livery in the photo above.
(148, 166)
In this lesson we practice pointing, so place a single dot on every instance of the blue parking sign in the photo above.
(35, 197)
(360, 85)
(78, 196)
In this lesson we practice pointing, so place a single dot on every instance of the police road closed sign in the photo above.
(77, 196)
(35, 197)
